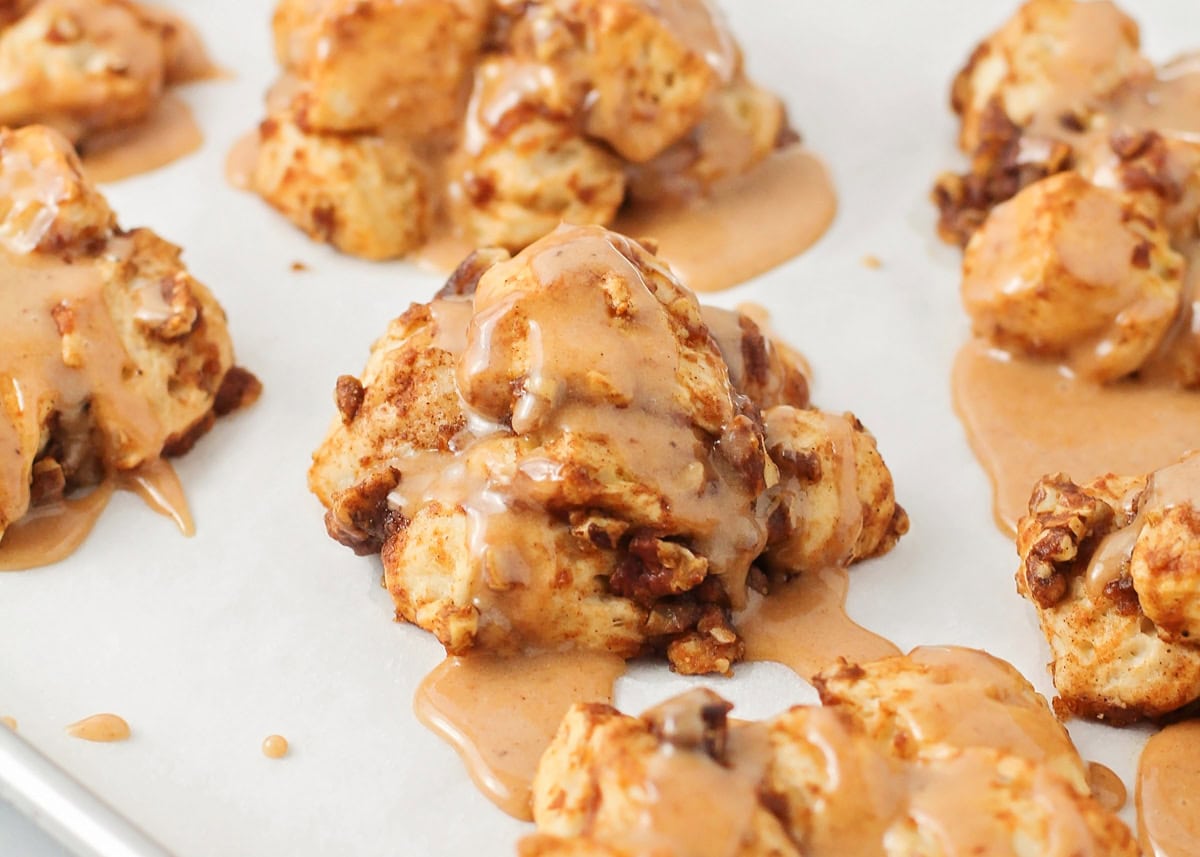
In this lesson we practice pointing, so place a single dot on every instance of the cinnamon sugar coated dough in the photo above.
(114, 355)
(565, 449)
(901, 760)
(397, 124)
(1113, 568)
(84, 67)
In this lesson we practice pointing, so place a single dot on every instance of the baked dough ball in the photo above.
(1071, 271)
(370, 64)
(905, 704)
(555, 452)
(1053, 60)
(525, 168)
(519, 116)
(834, 502)
(363, 194)
(119, 357)
(645, 71)
(683, 779)
(1104, 563)
(79, 66)
(1029, 96)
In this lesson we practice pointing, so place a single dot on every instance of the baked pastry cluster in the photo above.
(113, 354)
(565, 449)
(84, 67)
(496, 120)
(1081, 211)
(1113, 568)
(944, 751)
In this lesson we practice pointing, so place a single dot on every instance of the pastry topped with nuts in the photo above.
(945, 751)
(399, 123)
(1113, 568)
(564, 449)
(1081, 211)
(114, 355)
(90, 67)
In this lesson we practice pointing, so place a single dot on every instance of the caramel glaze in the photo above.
(8, 723)
(500, 713)
(101, 728)
(745, 226)
(1176, 485)
(1168, 792)
(1106, 787)
(1025, 418)
(803, 625)
(167, 134)
(275, 746)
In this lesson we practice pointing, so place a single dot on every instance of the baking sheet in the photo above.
(260, 624)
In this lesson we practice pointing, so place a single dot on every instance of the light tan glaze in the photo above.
(275, 746)
(46, 371)
(52, 532)
(969, 769)
(501, 713)
(1026, 419)
(566, 113)
(1178, 484)
(169, 133)
(682, 781)
(157, 483)
(102, 728)
(239, 163)
(803, 625)
(1168, 792)
(743, 227)
(747, 226)
(941, 698)
(8, 723)
(1106, 787)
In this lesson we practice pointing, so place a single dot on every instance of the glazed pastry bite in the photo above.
(88, 66)
(1113, 568)
(1070, 271)
(114, 354)
(501, 120)
(562, 450)
(940, 752)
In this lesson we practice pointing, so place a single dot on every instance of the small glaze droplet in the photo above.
(9, 722)
(275, 746)
(100, 727)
